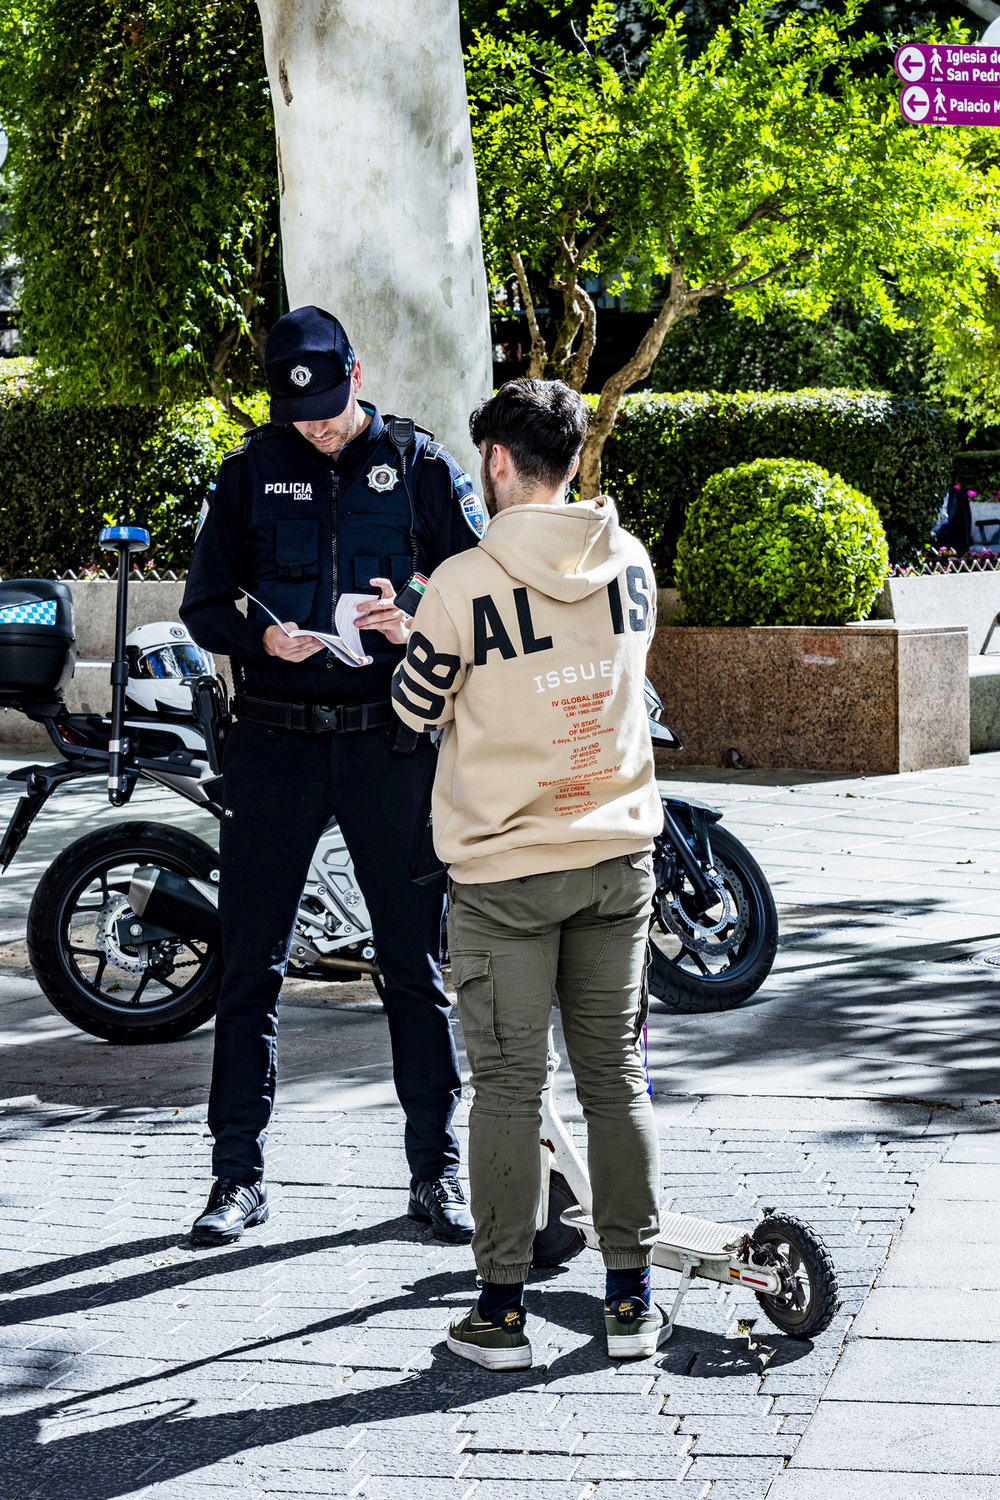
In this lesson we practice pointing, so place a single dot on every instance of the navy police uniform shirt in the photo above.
(297, 529)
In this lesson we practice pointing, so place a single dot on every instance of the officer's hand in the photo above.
(382, 614)
(289, 648)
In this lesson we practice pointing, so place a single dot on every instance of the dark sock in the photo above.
(631, 1283)
(497, 1296)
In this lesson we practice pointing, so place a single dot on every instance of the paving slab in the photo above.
(938, 1372)
(942, 1313)
(842, 1484)
(959, 1182)
(900, 1437)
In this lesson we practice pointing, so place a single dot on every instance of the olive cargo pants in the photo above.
(581, 933)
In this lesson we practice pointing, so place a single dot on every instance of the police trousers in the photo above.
(582, 935)
(281, 789)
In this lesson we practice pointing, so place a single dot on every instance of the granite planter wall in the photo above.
(876, 697)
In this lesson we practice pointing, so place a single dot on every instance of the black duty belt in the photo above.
(314, 718)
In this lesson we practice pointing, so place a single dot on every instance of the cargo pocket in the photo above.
(291, 595)
(472, 974)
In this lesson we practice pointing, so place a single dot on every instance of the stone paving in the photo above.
(309, 1358)
(858, 1090)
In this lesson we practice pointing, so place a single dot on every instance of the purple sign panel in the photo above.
(950, 104)
(930, 64)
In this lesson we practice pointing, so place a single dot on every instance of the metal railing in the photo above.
(988, 562)
(136, 575)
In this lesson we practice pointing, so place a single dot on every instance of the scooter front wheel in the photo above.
(84, 965)
(808, 1299)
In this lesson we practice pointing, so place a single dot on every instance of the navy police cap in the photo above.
(309, 360)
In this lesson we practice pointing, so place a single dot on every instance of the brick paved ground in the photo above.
(309, 1359)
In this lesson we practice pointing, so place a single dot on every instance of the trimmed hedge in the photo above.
(664, 447)
(67, 471)
(780, 542)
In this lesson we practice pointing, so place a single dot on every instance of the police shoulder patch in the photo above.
(472, 506)
(202, 517)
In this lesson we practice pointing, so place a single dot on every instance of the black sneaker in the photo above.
(442, 1204)
(231, 1208)
(497, 1343)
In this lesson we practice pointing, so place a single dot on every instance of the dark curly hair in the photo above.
(541, 423)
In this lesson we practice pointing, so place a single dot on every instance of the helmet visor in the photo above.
(183, 660)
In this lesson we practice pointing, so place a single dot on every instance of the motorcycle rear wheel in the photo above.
(96, 982)
(717, 973)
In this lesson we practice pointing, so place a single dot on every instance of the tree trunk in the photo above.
(580, 363)
(681, 303)
(379, 211)
(539, 353)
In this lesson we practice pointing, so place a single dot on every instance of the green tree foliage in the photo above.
(67, 471)
(720, 351)
(141, 171)
(779, 542)
(771, 169)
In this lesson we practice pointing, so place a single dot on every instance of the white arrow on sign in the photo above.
(911, 64)
(916, 104)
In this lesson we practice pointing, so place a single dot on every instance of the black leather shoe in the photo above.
(231, 1208)
(442, 1204)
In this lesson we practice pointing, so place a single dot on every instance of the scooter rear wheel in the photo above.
(86, 971)
(808, 1301)
(557, 1242)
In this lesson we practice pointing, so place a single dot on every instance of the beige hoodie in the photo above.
(531, 652)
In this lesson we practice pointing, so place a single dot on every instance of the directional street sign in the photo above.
(946, 85)
(927, 104)
(924, 62)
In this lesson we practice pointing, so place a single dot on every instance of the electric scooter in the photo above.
(783, 1261)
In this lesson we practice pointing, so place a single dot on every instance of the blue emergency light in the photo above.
(128, 538)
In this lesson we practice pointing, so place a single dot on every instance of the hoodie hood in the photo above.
(564, 551)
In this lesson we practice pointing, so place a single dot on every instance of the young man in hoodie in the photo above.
(530, 653)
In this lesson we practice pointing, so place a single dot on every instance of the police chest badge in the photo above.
(382, 478)
(472, 510)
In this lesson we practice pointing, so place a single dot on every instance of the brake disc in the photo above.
(700, 936)
(114, 909)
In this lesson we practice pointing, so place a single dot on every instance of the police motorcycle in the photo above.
(123, 931)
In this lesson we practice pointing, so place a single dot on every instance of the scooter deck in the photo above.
(678, 1232)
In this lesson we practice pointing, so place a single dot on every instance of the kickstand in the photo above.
(690, 1266)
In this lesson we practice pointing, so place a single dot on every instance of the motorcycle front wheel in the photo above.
(75, 947)
(713, 960)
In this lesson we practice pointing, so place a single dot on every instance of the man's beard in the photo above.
(489, 493)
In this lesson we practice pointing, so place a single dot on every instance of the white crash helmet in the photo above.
(162, 660)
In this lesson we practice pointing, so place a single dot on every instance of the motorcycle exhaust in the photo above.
(184, 906)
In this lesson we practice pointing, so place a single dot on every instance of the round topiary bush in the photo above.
(780, 542)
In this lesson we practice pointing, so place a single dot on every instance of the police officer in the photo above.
(326, 499)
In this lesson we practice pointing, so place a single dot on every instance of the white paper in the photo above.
(348, 651)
